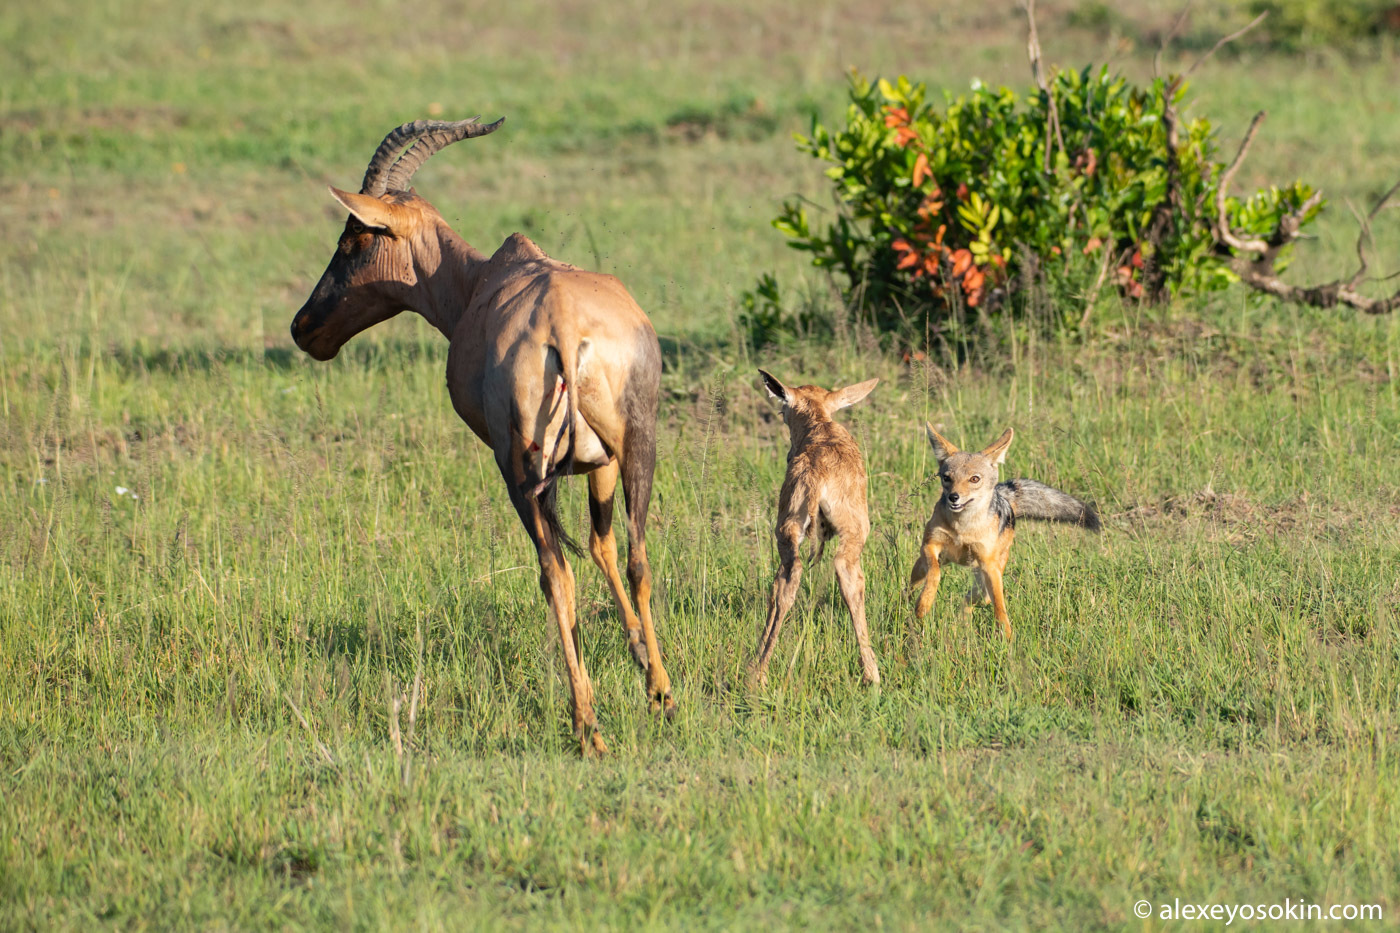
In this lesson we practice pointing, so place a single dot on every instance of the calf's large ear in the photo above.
(775, 387)
(844, 398)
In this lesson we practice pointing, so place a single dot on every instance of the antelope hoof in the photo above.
(757, 677)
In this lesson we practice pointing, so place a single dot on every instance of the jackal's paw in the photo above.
(663, 703)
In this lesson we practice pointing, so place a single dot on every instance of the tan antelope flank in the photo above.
(823, 494)
(974, 522)
(555, 368)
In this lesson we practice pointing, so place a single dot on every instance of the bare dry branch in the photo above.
(1221, 43)
(1168, 39)
(1223, 233)
(1256, 265)
(1052, 122)
(1364, 235)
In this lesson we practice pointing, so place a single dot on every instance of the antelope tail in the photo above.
(1030, 499)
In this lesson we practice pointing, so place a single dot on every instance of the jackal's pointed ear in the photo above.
(774, 387)
(996, 452)
(368, 210)
(844, 398)
(942, 447)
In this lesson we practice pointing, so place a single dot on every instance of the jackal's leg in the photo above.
(991, 570)
(927, 573)
(784, 593)
(852, 581)
(979, 595)
(602, 486)
(637, 467)
(557, 584)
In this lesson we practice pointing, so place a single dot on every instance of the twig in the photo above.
(413, 707)
(1098, 284)
(320, 746)
(1052, 120)
(1255, 266)
(1168, 39)
(1223, 233)
(1221, 43)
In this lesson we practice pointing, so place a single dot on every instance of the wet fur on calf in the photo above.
(823, 494)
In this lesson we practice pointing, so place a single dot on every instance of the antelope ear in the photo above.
(997, 451)
(368, 210)
(942, 447)
(775, 388)
(844, 398)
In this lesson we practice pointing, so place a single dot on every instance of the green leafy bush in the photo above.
(937, 209)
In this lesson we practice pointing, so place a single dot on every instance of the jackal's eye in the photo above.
(975, 480)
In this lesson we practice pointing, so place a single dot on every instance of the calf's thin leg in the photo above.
(784, 593)
(851, 579)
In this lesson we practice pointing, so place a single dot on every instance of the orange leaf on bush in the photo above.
(962, 261)
(1093, 244)
(896, 116)
(921, 170)
(904, 136)
(973, 281)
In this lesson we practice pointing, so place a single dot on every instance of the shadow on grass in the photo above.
(204, 359)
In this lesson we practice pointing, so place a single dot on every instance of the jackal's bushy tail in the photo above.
(1030, 499)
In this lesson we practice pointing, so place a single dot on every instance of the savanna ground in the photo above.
(1200, 704)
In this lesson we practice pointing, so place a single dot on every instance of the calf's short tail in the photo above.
(1030, 499)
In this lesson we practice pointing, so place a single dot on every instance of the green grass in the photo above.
(1200, 704)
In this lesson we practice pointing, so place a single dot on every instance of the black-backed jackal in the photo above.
(974, 522)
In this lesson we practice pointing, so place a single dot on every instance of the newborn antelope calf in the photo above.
(823, 494)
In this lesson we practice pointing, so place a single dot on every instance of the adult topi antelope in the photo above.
(557, 369)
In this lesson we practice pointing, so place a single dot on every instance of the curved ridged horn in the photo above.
(425, 137)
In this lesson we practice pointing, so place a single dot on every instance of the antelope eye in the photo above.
(356, 227)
